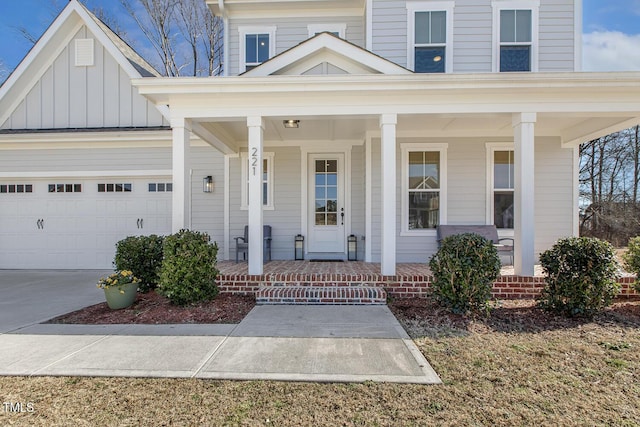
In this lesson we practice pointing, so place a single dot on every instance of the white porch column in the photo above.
(256, 131)
(181, 195)
(524, 200)
(388, 183)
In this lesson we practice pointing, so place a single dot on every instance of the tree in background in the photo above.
(609, 187)
(185, 35)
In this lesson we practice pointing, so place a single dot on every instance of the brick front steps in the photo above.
(339, 295)
(411, 280)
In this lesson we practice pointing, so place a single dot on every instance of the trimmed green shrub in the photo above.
(632, 260)
(143, 256)
(464, 269)
(581, 276)
(189, 270)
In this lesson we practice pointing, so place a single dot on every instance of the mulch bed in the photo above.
(152, 308)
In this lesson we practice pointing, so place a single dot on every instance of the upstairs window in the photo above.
(257, 45)
(515, 35)
(430, 36)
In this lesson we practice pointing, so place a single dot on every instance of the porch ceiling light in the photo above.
(437, 58)
(291, 124)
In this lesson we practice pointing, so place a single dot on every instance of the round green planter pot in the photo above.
(117, 300)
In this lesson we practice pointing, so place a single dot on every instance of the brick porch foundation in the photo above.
(411, 280)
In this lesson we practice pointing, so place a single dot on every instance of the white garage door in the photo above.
(75, 223)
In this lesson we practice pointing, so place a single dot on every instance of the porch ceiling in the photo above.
(571, 128)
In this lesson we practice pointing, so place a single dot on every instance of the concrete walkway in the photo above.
(291, 343)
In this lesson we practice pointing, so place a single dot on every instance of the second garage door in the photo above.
(75, 223)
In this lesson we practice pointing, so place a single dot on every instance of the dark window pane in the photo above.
(523, 26)
(265, 193)
(508, 26)
(263, 47)
(515, 58)
(12, 188)
(119, 188)
(503, 209)
(20, 188)
(28, 188)
(503, 169)
(160, 187)
(52, 188)
(429, 59)
(422, 28)
(438, 27)
(424, 210)
(68, 188)
(77, 188)
(320, 219)
(332, 219)
(110, 188)
(152, 187)
(251, 48)
(127, 188)
(169, 186)
(3, 188)
(60, 188)
(101, 188)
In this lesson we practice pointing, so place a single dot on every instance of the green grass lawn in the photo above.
(519, 367)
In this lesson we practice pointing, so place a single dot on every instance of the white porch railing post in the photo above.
(256, 135)
(388, 179)
(524, 195)
(181, 195)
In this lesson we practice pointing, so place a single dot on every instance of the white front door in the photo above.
(326, 203)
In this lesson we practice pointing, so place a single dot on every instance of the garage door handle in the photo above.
(40, 224)
(140, 223)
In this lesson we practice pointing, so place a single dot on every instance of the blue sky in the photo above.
(611, 30)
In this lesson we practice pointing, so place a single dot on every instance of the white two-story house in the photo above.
(378, 119)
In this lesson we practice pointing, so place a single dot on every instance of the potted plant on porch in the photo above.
(120, 289)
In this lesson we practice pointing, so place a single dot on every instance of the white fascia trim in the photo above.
(497, 6)
(88, 174)
(331, 27)
(243, 31)
(491, 147)
(422, 146)
(429, 6)
(577, 37)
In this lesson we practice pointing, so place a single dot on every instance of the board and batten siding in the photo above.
(98, 96)
(290, 32)
(472, 34)
(467, 190)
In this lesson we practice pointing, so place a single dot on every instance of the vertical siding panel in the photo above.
(33, 111)
(139, 111)
(47, 85)
(111, 93)
(95, 88)
(126, 101)
(61, 90)
(19, 117)
(78, 86)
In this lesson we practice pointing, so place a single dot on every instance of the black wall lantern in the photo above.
(207, 184)
(299, 247)
(352, 247)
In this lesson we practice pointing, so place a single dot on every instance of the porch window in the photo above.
(501, 182)
(424, 187)
(257, 45)
(430, 35)
(515, 35)
(267, 181)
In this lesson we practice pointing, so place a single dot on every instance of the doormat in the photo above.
(326, 260)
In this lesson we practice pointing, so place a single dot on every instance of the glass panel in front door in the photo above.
(326, 192)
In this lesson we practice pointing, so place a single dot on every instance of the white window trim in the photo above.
(244, 31)
(341, 29)
(244, 166)
(491, 148)
(499, 5)
(423, 6)
(406, 148)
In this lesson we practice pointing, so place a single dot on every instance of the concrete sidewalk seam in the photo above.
(70, 355)
(212, 353)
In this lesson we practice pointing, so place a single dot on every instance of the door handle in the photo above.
(40, 224)
(342, 216)
(141, 222)
(138, 223)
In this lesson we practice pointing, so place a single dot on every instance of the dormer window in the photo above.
(257, 45)
(430, 36)
(515, 35)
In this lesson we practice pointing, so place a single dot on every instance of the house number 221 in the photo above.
(254, 160)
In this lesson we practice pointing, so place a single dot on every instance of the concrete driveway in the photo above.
(33, 296)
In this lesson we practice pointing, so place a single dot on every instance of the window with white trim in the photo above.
(424, 186)
(267, 181)
(430, 36)
(515, 35)
(257, 45)
(338, 30)
(501, 185)
(16, 188)
(114, 188)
